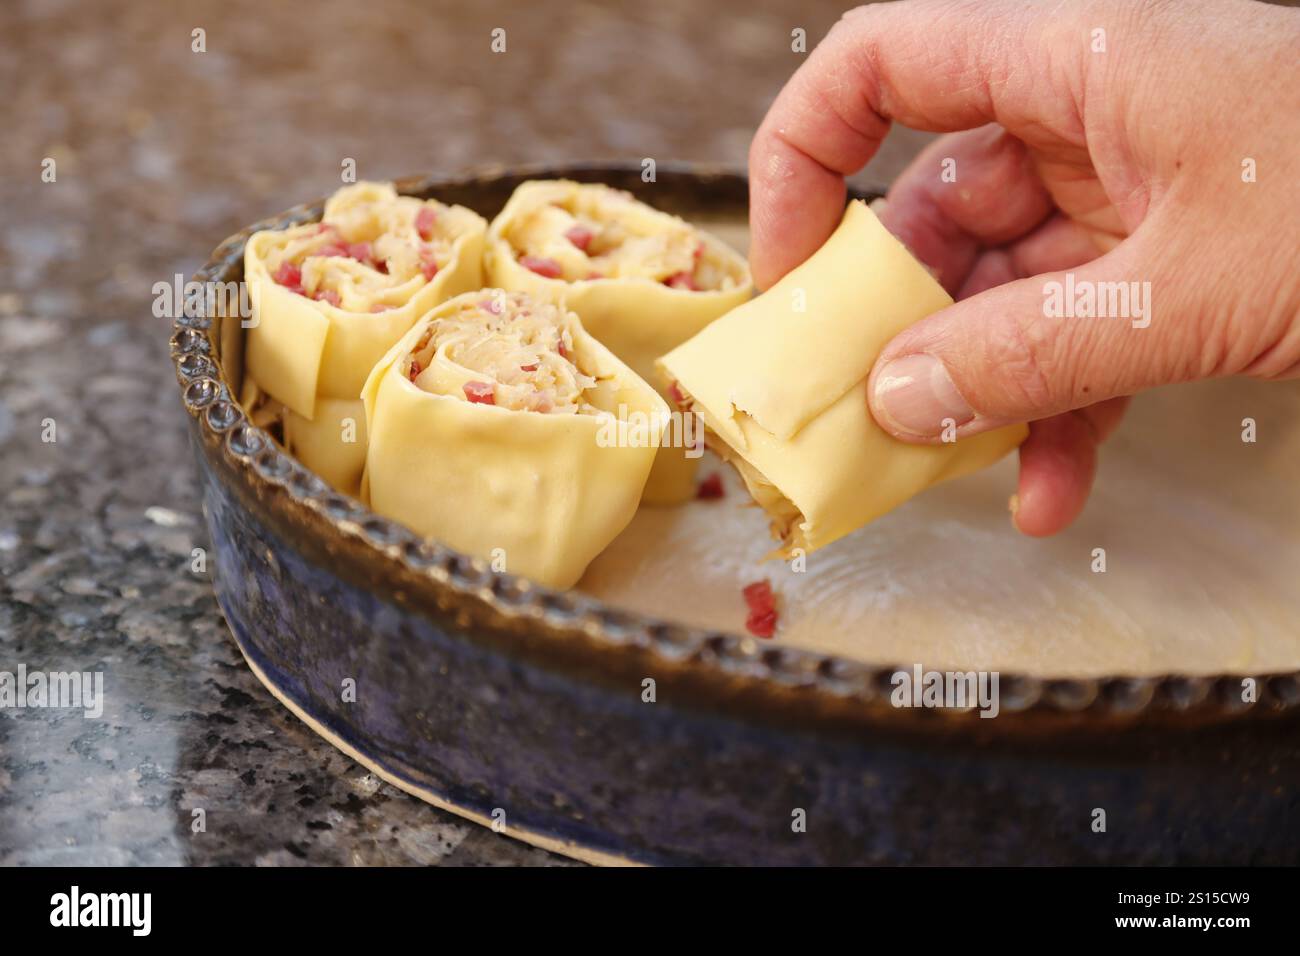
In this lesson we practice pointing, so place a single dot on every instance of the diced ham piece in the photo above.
(542, 266)
(559, 347)
(380, 307)
(580, 236)
(424, 222)
(360, 251)
(481, 393)
(528, 368)
(682, 280)
(676, 394)
(428, 265)
(289, 276)
(761, 621)
(491, 304)
(327, 295)
(415, 370)
(758, 594)
(711, 488)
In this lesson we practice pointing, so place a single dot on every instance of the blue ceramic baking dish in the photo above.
(523, 708)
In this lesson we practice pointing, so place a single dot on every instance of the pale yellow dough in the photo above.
(630, 310)
(263, 411)
(536, 493)
(782, 381)
(312, 357)
(333, 444)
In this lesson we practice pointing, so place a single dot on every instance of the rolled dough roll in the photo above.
(642, 281)
(501, 428)
(781, 383)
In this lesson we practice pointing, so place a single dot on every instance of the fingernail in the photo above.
(917, 396)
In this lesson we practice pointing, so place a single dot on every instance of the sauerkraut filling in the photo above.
(505, 349)
(595, 232)
(370, 253)
(784, 517)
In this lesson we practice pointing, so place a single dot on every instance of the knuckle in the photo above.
(1027, 354)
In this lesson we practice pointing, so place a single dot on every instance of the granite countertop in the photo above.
(159, 153)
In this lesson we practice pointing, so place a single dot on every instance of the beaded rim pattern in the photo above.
(207, 397)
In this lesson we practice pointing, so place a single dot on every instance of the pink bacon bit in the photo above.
(425, 221)
(761, 621)
(528, 368)
(580, 236)
(710, 489)
(360, 251)
(380, 307)
(480, 393)
(289, 276)
(682, 280)
(415, 371)
(327, 295)
(428, 264)
(543, 266)
(491, 304)
(677, 395)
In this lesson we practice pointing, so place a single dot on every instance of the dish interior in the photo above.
(1199, 532)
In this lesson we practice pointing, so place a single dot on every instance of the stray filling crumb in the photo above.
(762, 617)
(711, 488)
(606, 234)
(504, 349)
(368, 255)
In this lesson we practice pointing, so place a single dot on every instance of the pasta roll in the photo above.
(641, 280)
(331, 298)
(781, 384)
(499, 426)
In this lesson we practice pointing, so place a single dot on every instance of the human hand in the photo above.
(1166, 160)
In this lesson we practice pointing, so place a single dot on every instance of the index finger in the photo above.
(938, 65)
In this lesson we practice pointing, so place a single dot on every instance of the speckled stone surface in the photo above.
(160, 153)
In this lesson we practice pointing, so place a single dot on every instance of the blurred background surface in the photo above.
(163, 151)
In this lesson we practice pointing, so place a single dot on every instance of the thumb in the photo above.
(1031, 349)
